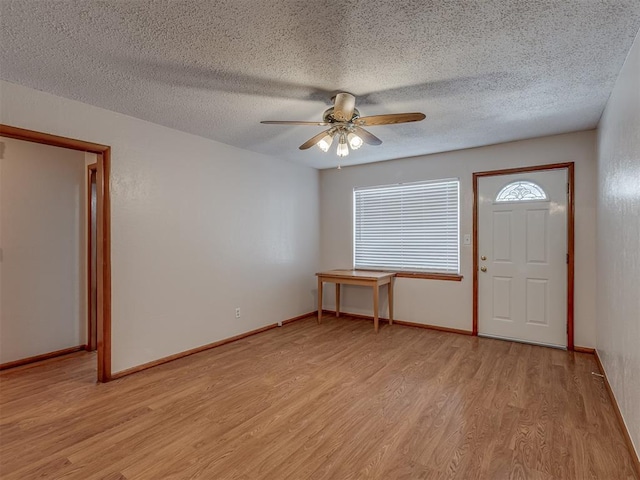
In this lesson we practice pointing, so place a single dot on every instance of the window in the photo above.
(521, 191)
(411, 227)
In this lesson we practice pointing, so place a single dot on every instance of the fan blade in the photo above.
(343, 107)
(293, 122)
(389, 119)
(367, 137)
(313, 140)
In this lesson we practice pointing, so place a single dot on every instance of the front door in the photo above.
(522, 256)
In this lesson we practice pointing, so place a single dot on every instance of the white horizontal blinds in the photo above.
(408, 227)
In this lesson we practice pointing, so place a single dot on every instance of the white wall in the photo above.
(447, 303)
(198, 228)
(618, 241)
(43, 265)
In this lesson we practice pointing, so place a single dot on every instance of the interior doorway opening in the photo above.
(100, 335)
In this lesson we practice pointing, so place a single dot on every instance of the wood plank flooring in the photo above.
(307, 401)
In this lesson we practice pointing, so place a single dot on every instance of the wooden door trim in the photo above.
(570, 237)
(103, 208)
(90, 346)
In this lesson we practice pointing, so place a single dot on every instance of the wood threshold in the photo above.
(400, 322)
(623, 426)
(41, 357)
(103, 153)
(202, 348)
(570, 166)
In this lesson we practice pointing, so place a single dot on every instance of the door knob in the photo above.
(483, 269)
(483, 257)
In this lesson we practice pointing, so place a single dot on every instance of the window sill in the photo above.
(430, 276)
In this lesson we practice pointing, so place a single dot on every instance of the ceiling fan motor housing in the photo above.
(328, 117)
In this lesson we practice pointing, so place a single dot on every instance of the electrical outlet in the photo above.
(467, 239)
(238, 312)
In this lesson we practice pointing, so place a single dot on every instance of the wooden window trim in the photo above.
(570, 166)
(452, 277)
(409, 274)
(103, 153)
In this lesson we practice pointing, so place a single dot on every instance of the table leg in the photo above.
(319, 300)
(375, 307)
(390, 287)
(337, 299)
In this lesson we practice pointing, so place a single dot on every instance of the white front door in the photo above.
(522, 256)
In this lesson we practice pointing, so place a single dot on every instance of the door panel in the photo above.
(537, 236)
(502, 298)
(522, 292)
(537, 301)
(502, 236)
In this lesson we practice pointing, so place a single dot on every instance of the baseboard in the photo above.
(219, 343)
(402, 322)
(359, 316)
(634, 455)
(584, 349)
(299, 317)
(40, 358)
(434, 327)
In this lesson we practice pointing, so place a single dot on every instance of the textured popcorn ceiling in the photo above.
(482, 71)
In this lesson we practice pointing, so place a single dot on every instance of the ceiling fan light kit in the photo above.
(343, 149)
(355, 142)
(325, 142)
(345, 122)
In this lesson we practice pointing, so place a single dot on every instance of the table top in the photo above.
(364, 274)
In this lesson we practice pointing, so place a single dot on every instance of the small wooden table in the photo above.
(357, 277)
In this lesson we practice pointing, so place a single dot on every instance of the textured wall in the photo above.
(618, 244)
(43, 265)
(448, 303)
(198, 228)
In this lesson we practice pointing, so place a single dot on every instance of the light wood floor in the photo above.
(334, 401)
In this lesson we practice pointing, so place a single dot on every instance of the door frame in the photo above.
(570, 236)
(103, 211)
(91, 335)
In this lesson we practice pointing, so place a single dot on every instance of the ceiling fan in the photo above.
(345, 123)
